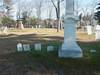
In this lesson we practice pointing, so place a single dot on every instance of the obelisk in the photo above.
(70, 48)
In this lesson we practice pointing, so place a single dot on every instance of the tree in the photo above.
(8, 6)
(24, 11)
(6, 21)
(27, 7)
(39, 5)
(24, 17)
(97, 14)
(49, 18)
(32, 21)
(56, 5)
(85, 13)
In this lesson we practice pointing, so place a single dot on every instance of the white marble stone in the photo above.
(92, 51)
(26, 47)
(20, 25)
(50, 48)
(89, 30)
(70, 47)
(97, 32)
(19, 47)
(69, 6)
(4, 30)
(38, 46)
(0, 31)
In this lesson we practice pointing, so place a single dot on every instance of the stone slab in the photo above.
(26, 47)
(92, 51)
(38, 46)
(89, 30)
(19, 47)
(50, 48)
(97, 32)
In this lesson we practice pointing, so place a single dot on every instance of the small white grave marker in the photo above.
(92, 51)
(50, 48)
(89, 30)
(0, 31)
(19, 47)
(26, 47)
(38, 46)
(4, 30)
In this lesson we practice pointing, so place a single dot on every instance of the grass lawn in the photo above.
(43, 62)
(49, 63)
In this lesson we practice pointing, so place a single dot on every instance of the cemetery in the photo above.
(31, 44)
(43, 51)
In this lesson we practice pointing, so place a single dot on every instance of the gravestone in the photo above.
(0, 30)
(97, 32)
(89, 30)
(19, 47)
(38, 46)
(26, 47)
(70, 47)
(20, 25)
(93, 51)
(36, 26)
(4, 30)
(50, 48)
(32, 27)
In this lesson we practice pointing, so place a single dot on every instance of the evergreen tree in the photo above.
(97, 14)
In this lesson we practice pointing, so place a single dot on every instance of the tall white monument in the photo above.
(70, 47)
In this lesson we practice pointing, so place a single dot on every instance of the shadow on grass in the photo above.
(48, 63)
(44, 62)
(8, 42)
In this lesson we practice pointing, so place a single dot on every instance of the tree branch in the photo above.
(54, 4)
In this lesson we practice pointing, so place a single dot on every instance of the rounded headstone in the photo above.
(19, 47)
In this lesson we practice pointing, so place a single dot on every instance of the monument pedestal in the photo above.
(73, 51)
(70, 47)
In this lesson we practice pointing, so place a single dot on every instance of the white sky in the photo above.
(82, 4)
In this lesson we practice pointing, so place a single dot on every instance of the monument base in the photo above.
(74, 51)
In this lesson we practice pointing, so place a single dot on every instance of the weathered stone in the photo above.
(97, 32)
(38, 46)
(26, 47)
(70, 47)
(89, 30)
(92, 51)
(19, 47)
(50, 48)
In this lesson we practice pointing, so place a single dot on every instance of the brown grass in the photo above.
(81, 36)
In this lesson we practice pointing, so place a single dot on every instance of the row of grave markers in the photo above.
(38, 47)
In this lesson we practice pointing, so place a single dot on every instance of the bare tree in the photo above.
(24, 11)
(89, 12)
(56, 5)
(86, 12)
(57, 9)
(50, 10)
(8, 6)
(27, 7)
(18, 9)
(38, 6)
